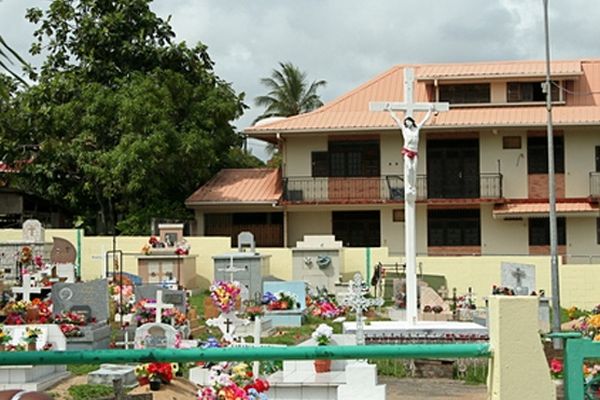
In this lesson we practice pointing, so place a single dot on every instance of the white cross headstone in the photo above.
(410, 133)
(356, 300)
(26, 289)
(159, 305)
(126, 342)
(227, 324)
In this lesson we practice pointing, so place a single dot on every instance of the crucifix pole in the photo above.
(410, 133)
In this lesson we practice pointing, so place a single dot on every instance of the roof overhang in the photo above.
(541, 210)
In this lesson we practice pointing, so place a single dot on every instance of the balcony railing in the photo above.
(382, 188)
(595, 184)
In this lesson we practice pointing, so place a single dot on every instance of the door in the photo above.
(357, 228)
(453, 169)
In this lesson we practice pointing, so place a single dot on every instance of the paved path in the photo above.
(417, 389)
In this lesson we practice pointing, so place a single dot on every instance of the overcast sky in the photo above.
(347, 42)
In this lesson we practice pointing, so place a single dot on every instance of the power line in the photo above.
(573, 92)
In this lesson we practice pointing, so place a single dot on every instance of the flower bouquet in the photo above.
(225, 295)
(323, 306)
(31, 336)
(5, 339)
(322, 335)
(70, 323)
(233, 381)
(280, 301)
(254, 311)
(155, 372)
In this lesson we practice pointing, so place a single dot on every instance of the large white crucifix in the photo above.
(159, 305)
(26, 289)
(410, 133)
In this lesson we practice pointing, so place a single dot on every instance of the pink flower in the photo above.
(556, 366)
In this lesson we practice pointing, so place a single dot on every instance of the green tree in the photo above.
(289, 93)
(6, 65)
(124, 121)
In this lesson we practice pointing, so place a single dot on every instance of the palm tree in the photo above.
(289, 93)
(5, 52)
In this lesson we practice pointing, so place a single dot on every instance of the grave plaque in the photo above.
(93, 294)
(33, 231)
(519, 277)
(156, 335)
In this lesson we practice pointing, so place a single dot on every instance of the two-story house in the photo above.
(482, 184)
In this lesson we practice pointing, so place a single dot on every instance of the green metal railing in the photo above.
(577, 350)
(462, 350)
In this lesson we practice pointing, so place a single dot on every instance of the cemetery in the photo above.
(428, 234)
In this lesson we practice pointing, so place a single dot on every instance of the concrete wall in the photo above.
(580, 160)
(513, 162)
(311, 222)
(502, 237)
(392, 162)
(579, 283)
(297, 154)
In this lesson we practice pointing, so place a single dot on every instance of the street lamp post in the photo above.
(552, 191)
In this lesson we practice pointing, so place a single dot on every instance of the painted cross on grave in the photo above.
(519, 274)
(159, 305)
(230, 269)
(227, 323)
(26, 289)
(356, 300)
(410, 132)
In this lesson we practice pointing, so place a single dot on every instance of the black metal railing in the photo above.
(595, 184)
(382, 188)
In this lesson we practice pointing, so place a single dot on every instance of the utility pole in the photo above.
(552, 192)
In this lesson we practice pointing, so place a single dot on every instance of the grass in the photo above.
(82, 369)
(90, 392)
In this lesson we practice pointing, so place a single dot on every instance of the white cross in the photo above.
(159, 305)
(27, 290)
(231, 269)
(410, 179)
(227, 324)
(355, 299)
(126, 342)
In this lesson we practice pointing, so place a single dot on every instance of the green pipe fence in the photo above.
(458, 350)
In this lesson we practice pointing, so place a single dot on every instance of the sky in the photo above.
(347, 42)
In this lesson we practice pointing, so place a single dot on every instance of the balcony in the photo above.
(381, 189)
(595, 185)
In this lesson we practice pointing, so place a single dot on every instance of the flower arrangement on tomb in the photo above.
(182, 248)
(321, 305)
(5, 337)
(322, 335)
(280, 301)
(145, 314)
(155, 371)
(225, 295)
(233, 381)
(31, 334)
(21, 312)
(254, 311)
(173, 316)
(466, 302)
(70, 323)
(556, 368)
(26, 255)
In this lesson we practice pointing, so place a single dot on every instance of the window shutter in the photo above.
(320, 164)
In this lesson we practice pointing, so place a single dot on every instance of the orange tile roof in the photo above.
(255, 185)
(351, 111)
(541, 209)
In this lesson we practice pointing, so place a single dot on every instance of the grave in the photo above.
(166, 264)
(291, 317)
(228, 323)
(33, 236)
(34, 377)
(90, 299)
(318, 260)
(156, 335)
(109, 372)
(63, 257)
(178, 298)
(247, 267)
(298, 379)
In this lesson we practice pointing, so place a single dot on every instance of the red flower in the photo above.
(556, 366)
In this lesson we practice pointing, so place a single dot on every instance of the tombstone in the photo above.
(430, 299)
(357, 301)
(519, 277)
(109, 372)
(63, 256)
(34, 377)
(248, 268)
(178, 298)
(289, 318)
(33, 232)
(317, 260)
(156, 335)
(90, 299)
(27, 289)
(228, 323)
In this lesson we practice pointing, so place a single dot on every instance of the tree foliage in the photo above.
(125, 122)
(289, 93)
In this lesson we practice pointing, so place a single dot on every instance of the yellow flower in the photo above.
(240, 369)
(594, 321)
(597, 338)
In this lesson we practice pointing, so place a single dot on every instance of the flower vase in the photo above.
(31, 346)
(32, 315)
(322, 366)
(155, 385)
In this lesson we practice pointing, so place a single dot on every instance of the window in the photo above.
(398, 216)
(453, 227)
(537, 155)
(528, 92)
(257, 218)
(465, 93)
(360, 158)
(357, 228)
(511, 142)
(320, 164)
(539, 231)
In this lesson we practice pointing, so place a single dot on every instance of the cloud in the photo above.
(347, 42)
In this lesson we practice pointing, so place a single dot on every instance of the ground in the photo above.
(397, 389)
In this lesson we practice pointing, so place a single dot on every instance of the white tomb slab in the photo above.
(422, 330)
(34, 377)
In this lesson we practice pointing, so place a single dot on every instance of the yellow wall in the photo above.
(502, 237)
(513, 162)
(581, 240)
(579, 283)
(298, 151)
(312, 222)
(392, 233)
(580, 160)
(498, 92)
(392, 162)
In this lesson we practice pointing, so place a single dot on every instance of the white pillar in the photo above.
(410, 245)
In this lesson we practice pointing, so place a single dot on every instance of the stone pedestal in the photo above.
(95, 336)
(249, 269)
(361, 383)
